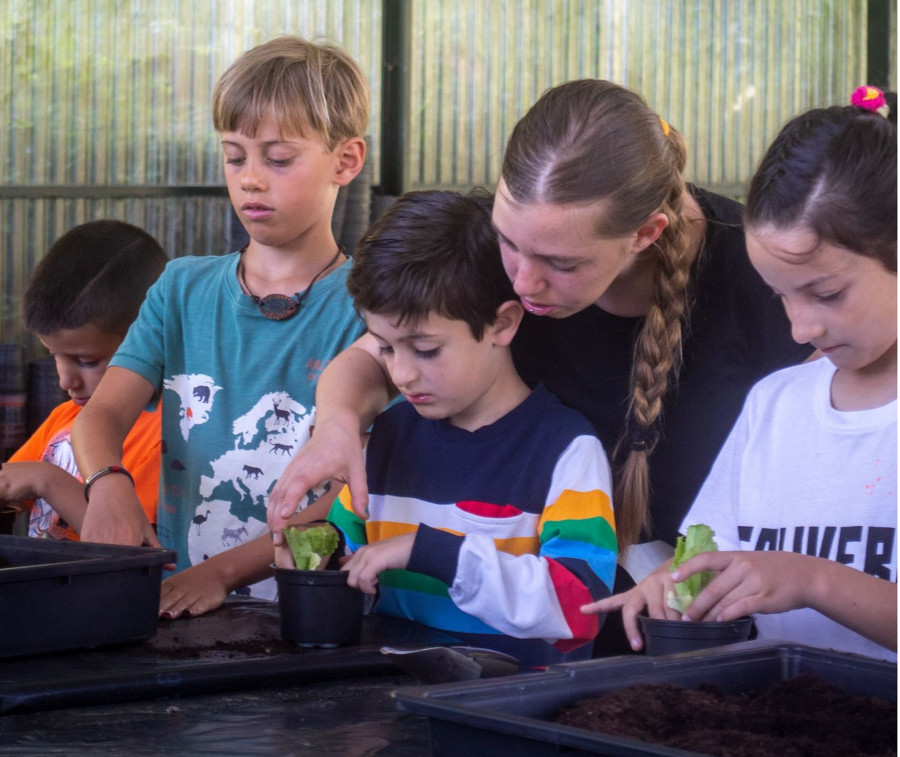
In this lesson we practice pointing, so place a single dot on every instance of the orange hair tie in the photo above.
(665, 126)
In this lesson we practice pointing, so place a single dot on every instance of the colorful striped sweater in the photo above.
(514, 526)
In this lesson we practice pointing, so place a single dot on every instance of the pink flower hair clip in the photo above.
(869, 98)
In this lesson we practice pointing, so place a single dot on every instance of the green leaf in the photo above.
(699, 538)
(311, 545)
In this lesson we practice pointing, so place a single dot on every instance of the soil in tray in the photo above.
(804, 716)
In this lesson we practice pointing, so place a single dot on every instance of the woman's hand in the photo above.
(351, 391)
(333, 452)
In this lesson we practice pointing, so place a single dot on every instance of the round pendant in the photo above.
(278, 307)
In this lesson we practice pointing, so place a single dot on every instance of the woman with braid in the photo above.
(643, 313)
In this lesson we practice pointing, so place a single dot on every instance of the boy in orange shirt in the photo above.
(80, 302)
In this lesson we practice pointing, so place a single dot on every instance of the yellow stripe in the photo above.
(385, 529)
(573, 505)
(519, 545)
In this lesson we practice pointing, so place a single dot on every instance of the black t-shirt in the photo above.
(738, 333)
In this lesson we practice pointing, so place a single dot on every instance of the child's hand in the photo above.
(115, 516)
(31, 480)
(748, 583)
(368, 562)
(22, 481)
(192, 592)
(284, 557)
(651, 593)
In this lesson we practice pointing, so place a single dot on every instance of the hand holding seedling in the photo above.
(650, 594)
(748, 583)
(699, 539)
(664, 594)
(330, 454)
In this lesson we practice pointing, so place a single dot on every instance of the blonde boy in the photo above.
(235, 343)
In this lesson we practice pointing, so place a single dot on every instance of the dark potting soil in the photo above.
(189, 649)
(804, 716)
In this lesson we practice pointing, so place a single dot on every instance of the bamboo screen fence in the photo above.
(726, 73)
(106, 107)
(106, 102)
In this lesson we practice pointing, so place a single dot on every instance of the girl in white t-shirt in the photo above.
(803, 495)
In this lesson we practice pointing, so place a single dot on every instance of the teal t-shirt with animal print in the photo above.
(238, 396)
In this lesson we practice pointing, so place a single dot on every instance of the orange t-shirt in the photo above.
(51, 443)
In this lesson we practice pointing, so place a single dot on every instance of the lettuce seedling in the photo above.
(311, 545)
(699, 538)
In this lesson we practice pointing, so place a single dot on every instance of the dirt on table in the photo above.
(232, 649)
(803, 716)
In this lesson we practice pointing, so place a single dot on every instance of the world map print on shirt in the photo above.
(237, 395)
(234, 486)
(196, 394)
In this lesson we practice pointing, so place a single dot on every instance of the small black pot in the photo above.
(8, 516)
(673, 636)
(318, 608)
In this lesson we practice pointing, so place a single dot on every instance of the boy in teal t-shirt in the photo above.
(235, 360)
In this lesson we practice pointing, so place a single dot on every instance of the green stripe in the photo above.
(410, 581)
(353, 526)
(597, 531)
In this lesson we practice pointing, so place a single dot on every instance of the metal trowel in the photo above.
(456, 663)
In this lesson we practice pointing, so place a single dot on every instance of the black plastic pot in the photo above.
(8, 516)
(674, 636)
(318, 608)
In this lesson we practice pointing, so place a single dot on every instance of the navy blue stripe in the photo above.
(501, 473)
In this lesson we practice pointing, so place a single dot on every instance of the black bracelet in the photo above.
(103, 472)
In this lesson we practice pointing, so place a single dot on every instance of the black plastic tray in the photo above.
(512, 715)
(57, 595)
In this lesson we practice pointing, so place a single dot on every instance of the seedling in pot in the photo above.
(699, 538)
(673, 636)
(311, 547)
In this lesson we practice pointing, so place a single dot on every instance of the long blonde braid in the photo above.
(591, 140)
(657, 361)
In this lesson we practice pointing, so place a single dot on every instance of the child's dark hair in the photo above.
(432, 252)
(833, 171)
(96, 273)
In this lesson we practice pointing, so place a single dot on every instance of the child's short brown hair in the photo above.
(303, 85)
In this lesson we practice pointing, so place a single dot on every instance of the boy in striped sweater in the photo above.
(489, 514)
